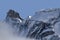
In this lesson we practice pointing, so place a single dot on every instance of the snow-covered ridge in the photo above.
(49, 10)
(38, 26)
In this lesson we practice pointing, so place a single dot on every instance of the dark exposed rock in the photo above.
(37, 30)
(40, 29)
(13, 14)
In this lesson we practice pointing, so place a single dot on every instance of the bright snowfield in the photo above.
(6, 33)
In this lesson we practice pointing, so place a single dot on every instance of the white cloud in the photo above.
(6, 33)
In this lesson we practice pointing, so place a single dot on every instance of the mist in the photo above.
(7, 33)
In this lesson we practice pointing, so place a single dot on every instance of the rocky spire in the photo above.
(13, 14)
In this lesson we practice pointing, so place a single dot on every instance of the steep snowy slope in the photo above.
(44, 25)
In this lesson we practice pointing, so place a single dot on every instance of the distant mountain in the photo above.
(44, 25)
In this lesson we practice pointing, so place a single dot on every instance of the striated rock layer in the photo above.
(44, 25)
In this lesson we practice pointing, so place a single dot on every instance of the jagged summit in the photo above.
(43, 25)
(12, 14)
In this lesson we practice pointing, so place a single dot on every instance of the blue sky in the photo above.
(26, 7)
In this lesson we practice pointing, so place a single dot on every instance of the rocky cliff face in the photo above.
(44, 25)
